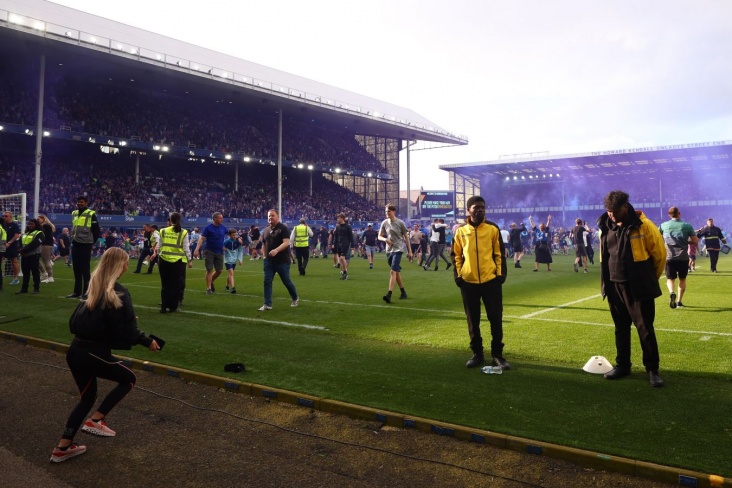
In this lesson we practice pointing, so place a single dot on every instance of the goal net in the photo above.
(16, 205)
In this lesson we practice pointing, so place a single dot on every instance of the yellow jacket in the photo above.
(477, 253)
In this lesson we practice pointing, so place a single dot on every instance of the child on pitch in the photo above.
(233, 255)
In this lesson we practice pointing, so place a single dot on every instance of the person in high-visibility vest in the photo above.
(3, 240)
(84, 234)
(174, 255)
(30, 252)
(300, 240)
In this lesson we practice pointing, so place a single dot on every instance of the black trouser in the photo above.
(302, 255)
(145, 252)
(2, 270)
(625, 311)
(81, 261)
(170, 279)
(87, 363)
(30, 264)
(491, 294)
(713, 258)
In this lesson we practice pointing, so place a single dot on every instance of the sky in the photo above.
(514, 76)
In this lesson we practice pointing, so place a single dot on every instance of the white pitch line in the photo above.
(530, 315)
(680, 331)
(243, 319)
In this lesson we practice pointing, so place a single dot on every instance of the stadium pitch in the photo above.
(344, 343)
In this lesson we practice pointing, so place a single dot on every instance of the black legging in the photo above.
(87, 363)
(144, 253)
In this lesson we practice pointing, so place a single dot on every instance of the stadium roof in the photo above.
(702, 156)
(78, 39)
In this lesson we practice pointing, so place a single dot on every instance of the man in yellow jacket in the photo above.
(480, 271)
(632, 259)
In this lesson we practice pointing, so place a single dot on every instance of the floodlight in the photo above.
(15, 19)
(93, 40)
(247, 159)
(338, 170)
(310, 166)
(1, 127)
(46, 133)
(300, 166)
(523, 177)
(122, 143)
(165, 148)
(39, 25)
(508, 178)
(369, 175)
(228, 156)
(515, 178)
(157, 148)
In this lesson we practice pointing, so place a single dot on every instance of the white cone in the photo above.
(597, 365)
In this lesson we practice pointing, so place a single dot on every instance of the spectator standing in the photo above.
(713, 239)
(48, 230)
(233, 255)
(396, 236)
(342, 240)
(146, 250)
(370, 237)
(212, 242)
(3, 239)
(633, 257)
(437, 245)
(415, 240)
(480, 271)
(105, 321)
(154, 248)
(32, 243)
(678, 236)
(275, 247)
(542, 236)
(174, 255)
(300, 239)
(12, 244)
(580, 250)
(85, 232)
(256, 236)
(64, 245)
(514, 238)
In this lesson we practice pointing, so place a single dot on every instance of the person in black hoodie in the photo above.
(102, 322)
(633, 258)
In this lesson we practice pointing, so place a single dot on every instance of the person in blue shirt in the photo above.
(233, 255)
(212, 242)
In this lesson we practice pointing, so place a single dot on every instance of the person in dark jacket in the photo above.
(30, 252)
(633, 257)
(102, 322)
(713, 238)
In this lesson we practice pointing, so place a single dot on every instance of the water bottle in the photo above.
(491, 369)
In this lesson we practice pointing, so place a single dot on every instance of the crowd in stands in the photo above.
(164, 118)
(193, 189)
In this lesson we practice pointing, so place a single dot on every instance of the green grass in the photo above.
(409, 356)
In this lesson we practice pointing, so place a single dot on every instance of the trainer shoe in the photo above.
(387, 298)
(209, 292)
(233, 291)
(672, 302)
(586, 270)
(98, 428)
(58, 455)
(576, 268)
(264, 308)
(227, 288)
(403, 296)
(213, 288)
(295, 302)
(680, 305)
(16, 281)
(49, 280)
(448, 266)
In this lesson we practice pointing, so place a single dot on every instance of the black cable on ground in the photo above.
(306, 434)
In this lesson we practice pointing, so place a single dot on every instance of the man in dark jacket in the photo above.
(633, 257)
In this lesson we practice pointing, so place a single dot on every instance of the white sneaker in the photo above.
(295, 302)
(44, 277)
(264, 308)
